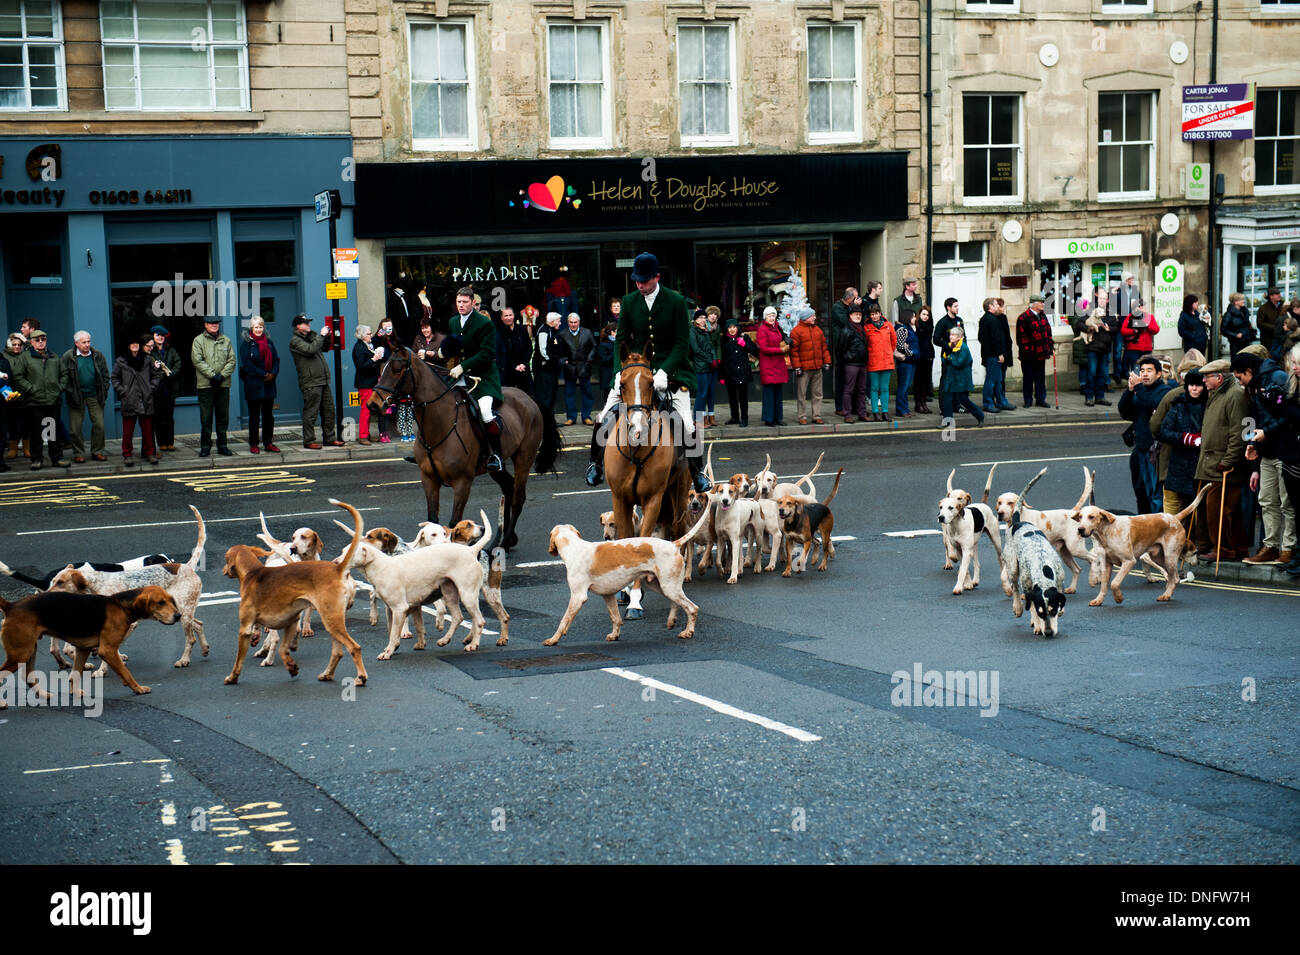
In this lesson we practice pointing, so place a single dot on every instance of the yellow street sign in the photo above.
(336, 290)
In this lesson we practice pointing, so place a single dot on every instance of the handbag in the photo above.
(1130, 435)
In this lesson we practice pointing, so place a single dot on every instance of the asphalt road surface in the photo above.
(1152, 733)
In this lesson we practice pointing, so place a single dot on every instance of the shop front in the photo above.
(561, 235)
(1261, 250)
(113, 235)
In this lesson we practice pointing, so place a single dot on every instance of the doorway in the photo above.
(959, 272)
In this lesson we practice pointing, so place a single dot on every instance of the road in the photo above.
(772, 736)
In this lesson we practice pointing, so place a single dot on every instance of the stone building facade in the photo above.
(148, 141)
(716, 96)
(1060, 164)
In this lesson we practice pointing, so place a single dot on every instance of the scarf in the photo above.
(264, 347)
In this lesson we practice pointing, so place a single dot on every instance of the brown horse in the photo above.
(641, 461)
(448, 446)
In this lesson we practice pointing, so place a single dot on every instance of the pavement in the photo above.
(783, 732)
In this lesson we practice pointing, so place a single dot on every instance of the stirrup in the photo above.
(494, 462)
(595, 474)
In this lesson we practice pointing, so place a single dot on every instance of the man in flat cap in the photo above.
(1222, 463)
(657, 317)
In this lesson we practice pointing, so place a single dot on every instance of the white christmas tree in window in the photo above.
(794, 306)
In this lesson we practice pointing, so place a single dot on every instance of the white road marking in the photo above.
(718, 707)
(168, 813)
(65, 769)
(842, 537)
(1074, 457)
(539, 563)
(218, 603)
(218, 520)
(925, 532)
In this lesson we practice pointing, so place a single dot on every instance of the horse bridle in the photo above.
(649, 409)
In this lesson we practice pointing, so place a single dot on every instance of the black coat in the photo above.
(735, 368)
(940, 336)
(1236, 320)
(925, 335)
(251, 370)
(1183, 417)
(1276, 412)
(995, 337)
(1192, 331)
(366, 366)
(853, 345)
(514, 347)
(577, 355)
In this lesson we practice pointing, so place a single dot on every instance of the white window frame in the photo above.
(469, 143)
(1279, 6)
(992, 6)
(240, 45)
(26, 43)
(854, 135)
(606, 104)
(1019, 195)
(1116, 7)
(1289, 188)
(1150, 192)
(732, 136)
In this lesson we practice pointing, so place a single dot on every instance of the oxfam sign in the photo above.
(1168, 299)
(1093, 246)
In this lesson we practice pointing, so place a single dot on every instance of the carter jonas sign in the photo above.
(1221, 111)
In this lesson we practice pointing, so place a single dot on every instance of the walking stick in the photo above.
(1218, 540)
(1056, 394)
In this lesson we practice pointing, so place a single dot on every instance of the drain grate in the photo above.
(566, 659)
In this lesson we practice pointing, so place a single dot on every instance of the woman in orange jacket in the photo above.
(882, 340)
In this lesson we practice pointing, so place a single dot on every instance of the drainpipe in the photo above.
(1213, 296)
(929, 150)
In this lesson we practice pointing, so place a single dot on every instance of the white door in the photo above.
(967, 284)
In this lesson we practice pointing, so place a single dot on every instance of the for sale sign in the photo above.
(1220, 111)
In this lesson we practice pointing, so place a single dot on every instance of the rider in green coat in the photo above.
(657, 316)
(478, 359)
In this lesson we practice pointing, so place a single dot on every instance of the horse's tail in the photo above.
(551, 443)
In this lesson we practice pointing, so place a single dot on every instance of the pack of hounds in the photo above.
(91, 608)
(1040, 544)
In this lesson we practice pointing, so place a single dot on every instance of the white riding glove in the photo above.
(661, 381)
(456, 372)
(379, 352)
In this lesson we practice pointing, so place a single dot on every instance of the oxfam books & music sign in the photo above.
(1089, 247)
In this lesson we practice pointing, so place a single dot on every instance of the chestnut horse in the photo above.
(640, 457)
(448, 448)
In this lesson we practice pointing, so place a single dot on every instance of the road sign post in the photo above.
(329, 207)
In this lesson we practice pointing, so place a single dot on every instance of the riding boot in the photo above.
(493, 431)
(596, 469)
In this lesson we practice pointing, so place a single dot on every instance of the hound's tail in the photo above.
(1015, 511)
(1087, 488)
(950, 475)
(988, 485)
(690, 535)
(485, 537)
(807, 478)
(29, 581)
(196, 555)
(1185, 512)
(834, 490)
(359, 528)
(708, 465)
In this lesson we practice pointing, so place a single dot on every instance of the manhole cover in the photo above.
(565, 659)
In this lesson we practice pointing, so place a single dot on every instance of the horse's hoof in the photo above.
(511, 541)
(635, 613)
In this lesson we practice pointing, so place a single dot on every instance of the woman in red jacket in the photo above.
(771, 367)
(1139, 331)
(881, 342)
